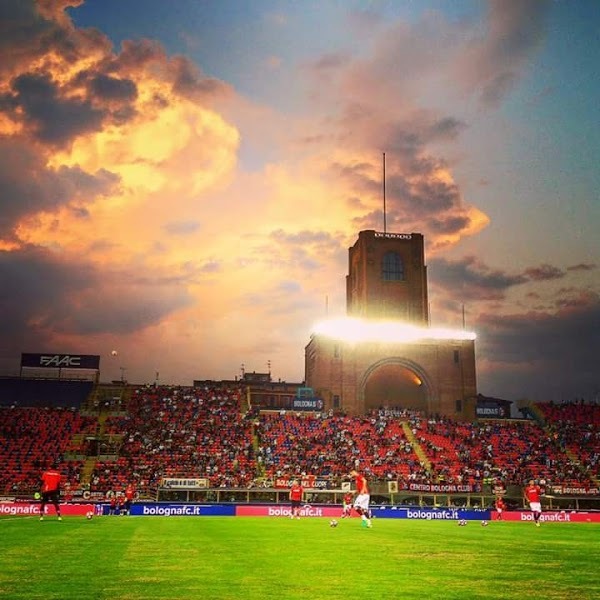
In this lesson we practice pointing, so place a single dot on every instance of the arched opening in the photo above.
(395, 385)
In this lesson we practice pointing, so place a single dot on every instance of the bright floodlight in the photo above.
(358, 330)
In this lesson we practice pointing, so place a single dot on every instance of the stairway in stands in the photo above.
(87, 469)
(422, 456)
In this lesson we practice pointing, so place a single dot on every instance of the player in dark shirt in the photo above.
(51, 480)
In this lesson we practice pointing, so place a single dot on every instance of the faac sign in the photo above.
(60, 361)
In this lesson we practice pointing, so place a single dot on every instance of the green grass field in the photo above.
(139, 558)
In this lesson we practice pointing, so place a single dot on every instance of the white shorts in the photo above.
(535, 506)
(362, 501)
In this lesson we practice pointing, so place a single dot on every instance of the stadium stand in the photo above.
(32, 438)
(328, 446)
(179, 432)
(575, 427)
(142, 435)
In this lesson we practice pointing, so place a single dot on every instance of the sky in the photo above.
(181, 181)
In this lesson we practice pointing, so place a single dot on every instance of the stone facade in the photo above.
(431, 376)
(387, 279)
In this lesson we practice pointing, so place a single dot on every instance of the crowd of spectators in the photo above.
(508, 451)
(207, 432)
(180, 432)
(33, 438)
(575, 427)
(329, 446)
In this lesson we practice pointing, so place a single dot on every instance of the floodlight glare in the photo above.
(360, 330)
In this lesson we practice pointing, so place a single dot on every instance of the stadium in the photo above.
(384, 394)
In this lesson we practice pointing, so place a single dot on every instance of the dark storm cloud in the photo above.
(446, 128)
(425, 199)
(450, 224)
(30, 31)
(52, 297)
(471, 279)
(549, 346)
(185, 76)
(543, 354)
(20, 28)
(53, 120)
(582, 267)
(136, 55)
(27, 186)
(112, 88)
(190, 82)
(544, 273)
(475, 279)
(415, 191)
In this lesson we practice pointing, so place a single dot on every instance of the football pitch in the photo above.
(183, 558)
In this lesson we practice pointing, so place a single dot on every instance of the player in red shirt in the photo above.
(361, 502)
(296, 492)
(533, 495)
(347, 505)
(129, 496)
(50, 491)
(500, 507)
(112, 507)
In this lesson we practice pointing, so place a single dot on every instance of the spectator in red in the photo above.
(50, 491)
(296, 492)
(533, 495)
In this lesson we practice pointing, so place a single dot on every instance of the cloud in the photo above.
(470, 279)
(182, 227)
(542, 346)
(110, 88)
(95, 156)
(28, 186)
(39, 108)
(582, 267)
(496, 58)
(53, 297)
(373, 107)
(144, 204)
(541, 355)
(544, 273)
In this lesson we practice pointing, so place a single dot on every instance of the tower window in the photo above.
(393, 268)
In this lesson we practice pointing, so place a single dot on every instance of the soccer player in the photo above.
(50, 491)
(112, 507)
(296, 492)
(361, 502)
(500, 507)
(347, 505)
(129, 496)
(533, 493)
